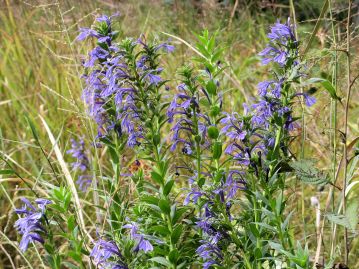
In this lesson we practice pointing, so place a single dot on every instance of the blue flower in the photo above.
(30, 225)
(210, 252)
(281, 32)
(168, 48)
(142, 243)
(87, 32)
(82, 163)
(309, 100)
(153, 77)
(106, 254)
(234, 181)
(115, 102)
(77, 151)
(187, 121)
(194, 195)
(84, 182)
(281, 39)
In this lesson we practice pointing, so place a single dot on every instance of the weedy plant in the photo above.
(231, 213)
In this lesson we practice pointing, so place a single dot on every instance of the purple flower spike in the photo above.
(106, 254)
(81, 164)
(30, 225)
(142, 243)
(281, 36)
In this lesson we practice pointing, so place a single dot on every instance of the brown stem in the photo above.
(233, 13)
(349, 87)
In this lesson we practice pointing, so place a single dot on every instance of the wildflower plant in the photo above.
(231, 212)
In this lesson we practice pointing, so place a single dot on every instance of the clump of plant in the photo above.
(210, 185)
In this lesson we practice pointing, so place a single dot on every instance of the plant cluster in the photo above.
(209, 188)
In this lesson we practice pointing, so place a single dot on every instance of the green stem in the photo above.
(275, 151)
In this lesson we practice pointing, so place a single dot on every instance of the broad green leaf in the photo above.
(176, 233)
(326, 84)
(150, 200)
(308, 173)
(351, 213)
(338, 219)
(71, 223)
(173, 256)
(168, 187)
(157, 177)
(162, 229)
(165, 206)
(162, 261)
(178, 214)
(266, 226)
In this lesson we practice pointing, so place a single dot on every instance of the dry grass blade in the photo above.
(68, 177)
(317, 25)
(17, 249)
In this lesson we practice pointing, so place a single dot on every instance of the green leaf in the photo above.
(217, 150)
(150, 200)
(308, 173)
(254, 230)
(201, 181)
(173, 256)
(168, 187)
(351, 213)
(213, 132)
(114, 156)
(67, 200)
(266, 226)
(71, 223)
(326, 84)
(161, 229)
(211, 87)
(178, 214)
(338, 219)
(162, 261)
(165, 206)
(58, 194)
(157, 177)
(7, 172)
(176, 234)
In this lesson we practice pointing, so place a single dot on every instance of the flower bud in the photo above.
(215, 110)
(213, 132)
(219, 175)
